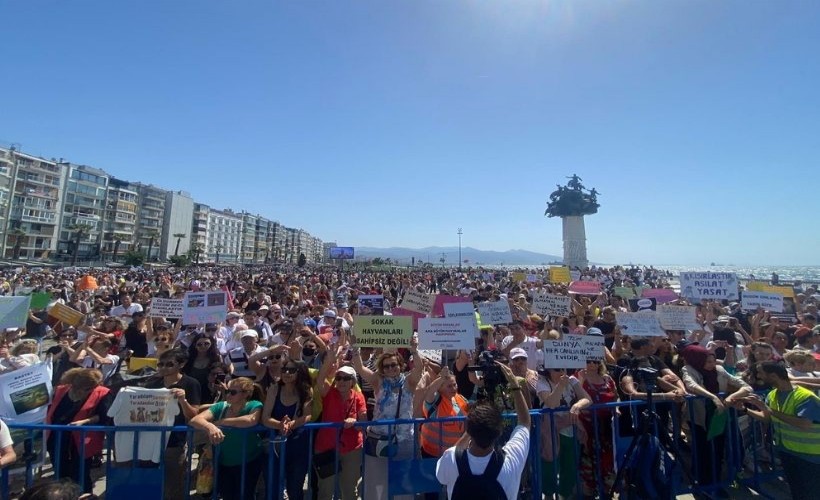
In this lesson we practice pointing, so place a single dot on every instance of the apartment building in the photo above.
(82, 222)
(224, 236)
(120, 218)
(150, 218)
(176, 225)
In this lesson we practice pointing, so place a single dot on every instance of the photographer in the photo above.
(642, 378)
(462, 468)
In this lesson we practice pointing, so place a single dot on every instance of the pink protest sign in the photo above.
(661, 295)
(400, 311)
(585, 287)
(438, 305)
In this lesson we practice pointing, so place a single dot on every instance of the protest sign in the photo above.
(204, 307)
(26, 394)
(661, 295)
(431, 354)
(639, 324)
(418, 301)
(518, 277)
(549, 304)
(532, 278)
(642, 304)
(383, 331)
(438, 305)
(67, 315)
(495, 313)
(678, 317)
(772, 302)
(400, 311)
(14, 311)
(574, 275)
(462, 310)
(624, 292)
(371, 305)
(762, 286)
(165, 308)
(446, 333)
(560, 274)
(585, 287)
(717, 286)
(40, 300)
(573, 351)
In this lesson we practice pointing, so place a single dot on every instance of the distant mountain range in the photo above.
(450, 255)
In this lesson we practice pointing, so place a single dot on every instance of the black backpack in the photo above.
(481, 487)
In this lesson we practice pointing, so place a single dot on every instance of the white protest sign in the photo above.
(495, 313)
(431, 354)
(26, 394)
(549, 304)
(462, 310)
(574, 275)
(772, 302)
(204, 307)
(446, 333)
(678, 317)
(640, 324)
(719, 286)
(532, 278)
(14, 311)
(165, 308)
(573, 351)
(419, 302)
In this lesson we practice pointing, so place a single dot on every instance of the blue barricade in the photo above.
(593, 451)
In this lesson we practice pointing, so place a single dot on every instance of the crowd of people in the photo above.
(286, 356)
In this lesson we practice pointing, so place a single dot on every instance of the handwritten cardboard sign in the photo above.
(495, 313)
(418, 301)
(585, 287)
(573, 351)
(67, 315)
(640, 324)
(714, 286)
(678, 317)
(560, 274)
(549, 304)
(772, 302)
(165, 308)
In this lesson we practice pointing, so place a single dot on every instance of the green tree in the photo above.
(118, 239)
(18, 234)
(133, 258)
(195, 252)
(152, 236)
(179, 237)
(218, 249)
(302, 260)
(80, 231)
(180, 260)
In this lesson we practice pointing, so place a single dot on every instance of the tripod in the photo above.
(649, 421)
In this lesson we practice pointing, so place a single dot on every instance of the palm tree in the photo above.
(179, 237)
(118, 239)
(152, 236)
(80, 231)
(218, 249)
(18, 242)
(196, 251)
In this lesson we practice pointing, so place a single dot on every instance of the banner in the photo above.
(165, 308)
(495, 313)
(67, 315)
(642, 304)
(585, 287)
(661, 295)
(371, 305)
(762, 286)
(446, 333)
(678, 317)
(573, 351)
(462, 310)
(548, 304)
(560, 275)
(40, 300)
(418, 301)
(26, 394)
(715, 286)
(14, 311)
(772, 302)
(383, 331)
(438, 305)
(204, 307)
(624, 292)
(640, 324)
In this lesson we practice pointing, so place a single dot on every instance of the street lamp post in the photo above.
(459, 249)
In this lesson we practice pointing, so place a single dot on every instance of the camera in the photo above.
(646, 376)
(495, 384)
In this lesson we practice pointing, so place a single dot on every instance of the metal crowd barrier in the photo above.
(121, 479)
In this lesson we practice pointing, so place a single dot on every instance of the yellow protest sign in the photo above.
(383, 331)
(66, 314)
(762, 286)
(560, 275)
(517, 277)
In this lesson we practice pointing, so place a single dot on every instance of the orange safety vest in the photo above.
(438, 436)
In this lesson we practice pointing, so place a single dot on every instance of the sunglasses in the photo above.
(343, 378)
(203, 344)
(289, 369)
(234, 392)
(388, 366)
(169, 364)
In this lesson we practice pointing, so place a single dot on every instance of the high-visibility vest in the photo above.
(788, 436)
(438, 436)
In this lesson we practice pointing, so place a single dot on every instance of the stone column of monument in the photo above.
(575, 241)
(571, 203)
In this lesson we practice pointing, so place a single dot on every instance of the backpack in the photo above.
(478, 487)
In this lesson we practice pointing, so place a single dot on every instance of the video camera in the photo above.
(495, 384)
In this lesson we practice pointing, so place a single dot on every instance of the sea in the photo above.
(808, 274)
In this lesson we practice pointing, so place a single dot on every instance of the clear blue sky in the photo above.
(393, 123)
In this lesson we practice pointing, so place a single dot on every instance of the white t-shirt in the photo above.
(5, 435)
(135, 406)
(107, 370)
(509, 478)
(122, 312)
(239, 359)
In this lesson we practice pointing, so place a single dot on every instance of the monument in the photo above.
(571, 203)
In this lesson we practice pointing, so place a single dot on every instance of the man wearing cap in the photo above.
(528, 379)
(229, 328)
(237, 358)
(519, 339)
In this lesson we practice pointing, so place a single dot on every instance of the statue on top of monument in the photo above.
(572, 200)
